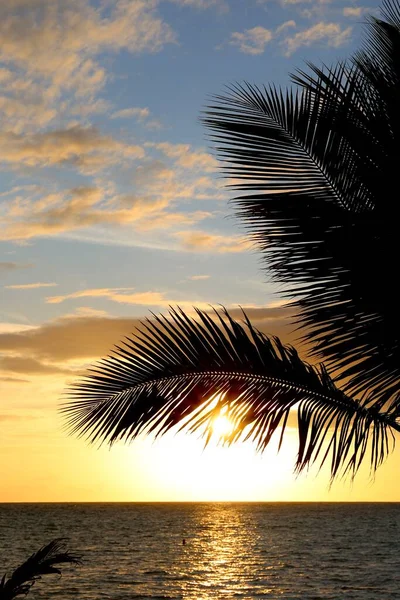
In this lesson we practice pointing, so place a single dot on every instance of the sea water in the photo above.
(199, 551)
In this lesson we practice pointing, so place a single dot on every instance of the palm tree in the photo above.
(42, 562)
(318, 172)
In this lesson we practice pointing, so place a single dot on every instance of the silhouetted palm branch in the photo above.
(319, 165)
(43, 562)
(170, 371)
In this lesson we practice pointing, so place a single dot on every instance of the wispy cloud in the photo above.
(184, 156)
(87, 207)
(30, 286)
(199, 277)
(52, 48)
(204, 241)
(13, 266)
(331, 34)
(202, 4)
(285, 26)
(135, 111)
(355, 11)
(88, 311)
(126, 296)
(30, 366)
(84, 148)
(252, 41)
(141, 114)
(89, 293)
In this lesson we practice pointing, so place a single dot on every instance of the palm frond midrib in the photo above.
(296, 140)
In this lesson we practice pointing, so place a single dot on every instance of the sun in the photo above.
(222, 426)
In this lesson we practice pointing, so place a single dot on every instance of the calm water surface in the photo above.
(285, 551)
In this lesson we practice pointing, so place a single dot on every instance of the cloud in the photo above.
(171, 220)
(30, 366)
(90, 293)
(139, 113)
(52, 47)
(252, 41)
(355, 11)
(66, 346)
(330, 33)
(142, 115)
(185, 157)
(81, 339)
(126, 296)
(67, 339)
(292, 2)
(13, 266)
(222, 4)
(286, 25)
(203, 241)
(82, 147)
(14, 327)
(119, 295)
(30, 286)
(74, 209)
(159, 186)
(199, 277)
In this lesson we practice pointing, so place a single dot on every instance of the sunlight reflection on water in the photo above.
(136, 551)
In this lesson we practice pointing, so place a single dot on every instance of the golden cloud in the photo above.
(31, 212)
(82, 147)
(203, 241)
(76, 209)
(53, 346)
(30, 286)
(57, 41)
(49, 50)
(184, 156)
(126, 296)
(330, 33)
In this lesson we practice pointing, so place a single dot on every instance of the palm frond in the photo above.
(170, 371)
(318, 166)
(43, 562)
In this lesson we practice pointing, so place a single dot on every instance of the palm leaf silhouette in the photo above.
(319, 166)
(43, 562)
(168, 372)
(312, 211)
(316, 168)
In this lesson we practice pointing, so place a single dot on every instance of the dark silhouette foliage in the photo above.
(317, 171)
(45, 561)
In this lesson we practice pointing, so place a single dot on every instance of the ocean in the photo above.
(232, 550)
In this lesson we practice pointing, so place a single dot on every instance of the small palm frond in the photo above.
(318, 166)
(171, 371)
(45, 561)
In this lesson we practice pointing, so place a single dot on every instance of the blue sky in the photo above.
(101, 143)
(110, 200)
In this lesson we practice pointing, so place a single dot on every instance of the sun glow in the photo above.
(222, 426)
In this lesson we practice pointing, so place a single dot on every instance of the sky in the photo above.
(111, 206)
